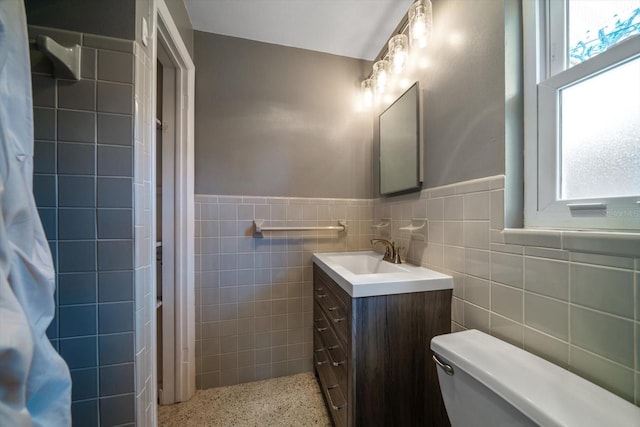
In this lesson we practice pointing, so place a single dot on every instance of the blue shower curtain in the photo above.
(35, 387)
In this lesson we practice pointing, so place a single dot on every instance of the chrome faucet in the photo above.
(391, 253)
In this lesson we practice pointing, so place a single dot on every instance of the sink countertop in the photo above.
(365, 274)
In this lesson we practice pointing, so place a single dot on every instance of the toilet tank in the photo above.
(497, 384)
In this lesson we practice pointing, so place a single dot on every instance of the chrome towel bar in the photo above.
(258, 227)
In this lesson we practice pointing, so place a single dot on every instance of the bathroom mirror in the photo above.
(401, 145)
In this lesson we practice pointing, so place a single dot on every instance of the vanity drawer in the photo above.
(327, 282)
(334, 390)
(337, 318)
(337, 405)
(337, 313)
(333, 351)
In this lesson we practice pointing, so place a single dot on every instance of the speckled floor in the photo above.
(286, 401)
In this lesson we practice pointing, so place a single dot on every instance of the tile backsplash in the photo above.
(578, 309)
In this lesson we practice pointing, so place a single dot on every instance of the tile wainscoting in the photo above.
(254, 295)
(578, 309)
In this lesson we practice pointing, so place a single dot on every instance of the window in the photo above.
(582, 114)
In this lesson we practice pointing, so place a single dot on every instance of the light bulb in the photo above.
(420, 23)
(418, 30)
(381, 75)
(398, 49)
(367, 92)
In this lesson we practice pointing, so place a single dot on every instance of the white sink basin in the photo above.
(366, 263)
(364, 274)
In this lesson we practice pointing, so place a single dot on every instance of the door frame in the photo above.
(182, 356)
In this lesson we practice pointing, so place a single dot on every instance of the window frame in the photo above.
(544, 77)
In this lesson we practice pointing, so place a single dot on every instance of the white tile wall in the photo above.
(553, 297)
(580, 310)
(547, 315)
(547, 277)
(145, 299)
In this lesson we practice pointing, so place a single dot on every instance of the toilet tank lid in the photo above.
(544, 392)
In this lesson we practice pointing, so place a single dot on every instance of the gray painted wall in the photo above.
(278, 121)
(113, 18)
(464, 102)
(464, 93)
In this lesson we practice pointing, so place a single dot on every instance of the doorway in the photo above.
(165, 225)
(173, 204)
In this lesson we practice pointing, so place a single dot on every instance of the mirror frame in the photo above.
(417, 143)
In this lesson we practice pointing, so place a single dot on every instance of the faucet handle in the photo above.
(396, 255)
(387, 251)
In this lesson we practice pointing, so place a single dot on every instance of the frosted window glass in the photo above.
(600, 135)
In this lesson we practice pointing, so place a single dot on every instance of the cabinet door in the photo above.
(395, 379)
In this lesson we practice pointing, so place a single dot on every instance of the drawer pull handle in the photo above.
(315, 358)
(336, 319)
(331, 359)
(319, 295)
(333, 405)
(319, 325)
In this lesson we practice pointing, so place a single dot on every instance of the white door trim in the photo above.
(167, 280)
(184, 294)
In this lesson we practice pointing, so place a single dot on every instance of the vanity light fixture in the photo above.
(398, 52)
(420, 23)
(381, 76)
(367, 92)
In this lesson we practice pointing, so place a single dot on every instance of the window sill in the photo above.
(610, 243)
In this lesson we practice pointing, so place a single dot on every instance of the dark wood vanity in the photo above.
(372, 356)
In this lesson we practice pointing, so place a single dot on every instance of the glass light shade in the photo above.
(367, 92)
(381, 75)
(398, 51)
(420, 23)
